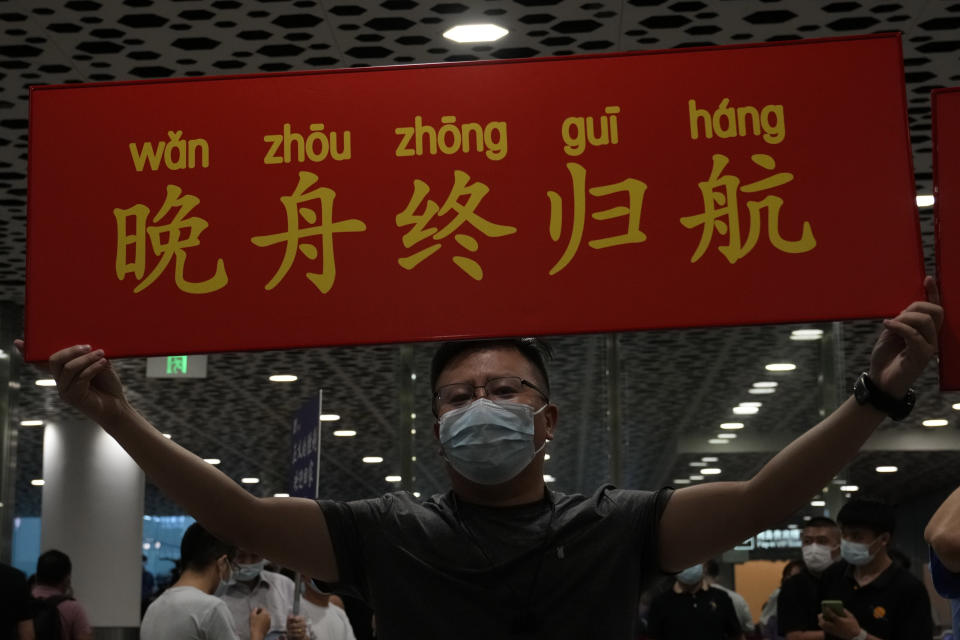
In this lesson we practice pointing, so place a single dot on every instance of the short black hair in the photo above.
(820, 521)
(199, 549)
(53, 567)
(535, 350)
(874, 515)
(712, 567)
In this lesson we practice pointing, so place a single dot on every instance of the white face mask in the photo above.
(489, 442)
(248, 572)
(856, 553)
(691, 575)
(817, 557)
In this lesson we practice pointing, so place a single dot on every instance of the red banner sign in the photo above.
(946, 188)
(713, 186)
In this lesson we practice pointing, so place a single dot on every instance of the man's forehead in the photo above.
(821, 531)
(487, 362)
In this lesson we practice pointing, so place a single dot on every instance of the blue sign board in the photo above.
(305, 450)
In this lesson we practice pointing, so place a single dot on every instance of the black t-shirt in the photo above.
(799, 603)
(15, 601)
(894, 606)
(705, 614)
(569, 566)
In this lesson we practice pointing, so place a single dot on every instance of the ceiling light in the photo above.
(780, 366)
(718, 441)
(168, 436)
(761, 391)
(250, 480)
(792, 526)
(37, 483)
(212, 460)
(393, 478)
(712, 471)
(416, 494)
(345, 433)
(282, 377)
(46, 382)
(849, 488)
(806, 334)
(938, 422)
(548, 478)
(373, 459)
(807, 518)
(745, 411)
(546, 456)
(766, 385)
(751, 404)
(31, 423)
(281, 495)
(681, 481)
(731, 425)
(698, 464)
(696, 478)
(726, 436)
(818, 503)
(925, 201)
(329, 417)
(887, 469)
(413, 376)
(709, 458)
(956, 407)
(475, 33)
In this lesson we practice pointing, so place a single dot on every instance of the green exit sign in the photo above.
(177, 367)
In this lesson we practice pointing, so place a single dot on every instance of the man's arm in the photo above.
(289, 531)
(25, 630)
(805, 635)
(801, 469)
(943, 532)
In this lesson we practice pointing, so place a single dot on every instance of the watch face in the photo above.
(860, 391)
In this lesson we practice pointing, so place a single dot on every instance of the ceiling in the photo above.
(673, 388)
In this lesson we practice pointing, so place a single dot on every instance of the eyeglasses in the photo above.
(458, 394)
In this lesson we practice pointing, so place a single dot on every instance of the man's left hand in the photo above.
(845, 626)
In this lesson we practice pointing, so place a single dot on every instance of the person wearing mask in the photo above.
(739, 603)
(943, 535)
(16, 612)
(191, 608)
(322, 616)
(693, 609)
(54, 571)
(500, 554)
(798, 604)
(254, 587)
(881, 600)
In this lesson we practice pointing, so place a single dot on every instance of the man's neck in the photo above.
(312, 596)
(526, 488)
(679, 587)
(206, 581)
(865, 574)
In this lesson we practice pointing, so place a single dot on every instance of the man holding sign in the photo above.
(500, 555)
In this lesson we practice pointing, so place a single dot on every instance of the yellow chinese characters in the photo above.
(722, 213)
(166, 240)
(292, 204)
(465, 212)
(634, 189)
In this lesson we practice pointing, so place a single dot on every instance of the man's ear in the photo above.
(436, 430)
(552, 415)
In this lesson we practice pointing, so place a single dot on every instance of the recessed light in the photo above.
(46, 382)
(37, 482)
(168, 436)
(731, 425)
(373, 459)
(475, 33)
(281, 495)
(698, 464)
(766, 385)
(727, 436)
(925, 200)
(751, 404)
(849, 488)
(546, 456)
(807, 518)
(711, 471)
(818, 503)
(329, 417)
(696, 478)
(718, 441)
(31, 423)
(887, 469)
(250, 480)
(283, 377)
(759, 391)
(806, 334)
(781, 366)
(416, 494)
(792, 526)
(709, 458)
(344, 433)
(956, 407)
(213, 461)
(746, 410)
(681, 481)
(937, 422)
(548, 478)
(393, 478)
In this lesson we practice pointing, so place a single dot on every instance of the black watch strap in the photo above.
(867, 392)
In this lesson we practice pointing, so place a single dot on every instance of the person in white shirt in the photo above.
(253, 587)
(189, 610)
(322, 617)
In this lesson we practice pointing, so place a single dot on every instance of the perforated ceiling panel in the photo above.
(674, 387)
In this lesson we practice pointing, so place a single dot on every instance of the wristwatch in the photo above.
(867, 392)
(863, 632)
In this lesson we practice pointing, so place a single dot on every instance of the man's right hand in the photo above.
(296, 627)
(87, 381)
(259, 623)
